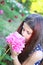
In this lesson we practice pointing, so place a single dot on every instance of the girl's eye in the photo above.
(28, 32)
(23, 29)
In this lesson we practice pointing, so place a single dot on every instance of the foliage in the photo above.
(26, 3)
(4, 56)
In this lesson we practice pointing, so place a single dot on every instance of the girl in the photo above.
(32, 29)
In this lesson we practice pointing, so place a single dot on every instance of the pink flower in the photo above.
(1, 11)
(17, 41)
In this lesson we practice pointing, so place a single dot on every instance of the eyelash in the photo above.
(28, 32)
(23, 29)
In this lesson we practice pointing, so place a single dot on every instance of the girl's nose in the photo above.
(24, 33)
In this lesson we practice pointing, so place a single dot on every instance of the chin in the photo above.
(26, 40)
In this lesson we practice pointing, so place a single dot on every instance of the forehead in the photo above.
(27, 27)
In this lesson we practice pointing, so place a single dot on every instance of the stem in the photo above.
(5, 53)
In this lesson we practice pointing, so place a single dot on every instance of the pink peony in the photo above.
(17, 41)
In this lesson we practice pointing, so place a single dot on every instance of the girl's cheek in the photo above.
(28, 37)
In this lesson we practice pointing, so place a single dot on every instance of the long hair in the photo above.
(35, 21)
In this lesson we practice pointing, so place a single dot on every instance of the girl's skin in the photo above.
(27, 32)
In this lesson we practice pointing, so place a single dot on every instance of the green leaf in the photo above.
(2, 50)
(7, 57)
(3, 63)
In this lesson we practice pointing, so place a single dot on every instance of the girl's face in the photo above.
(26, 31)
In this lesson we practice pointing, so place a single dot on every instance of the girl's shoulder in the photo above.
(38, 47)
